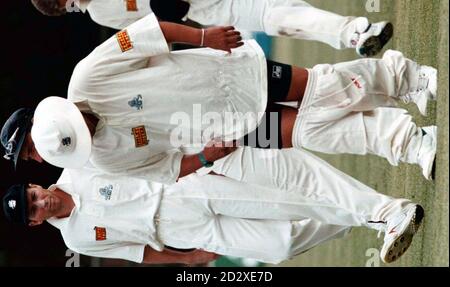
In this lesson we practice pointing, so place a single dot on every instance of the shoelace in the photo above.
(408, 98)
(385, 226)
(357, 35)
(423, 82)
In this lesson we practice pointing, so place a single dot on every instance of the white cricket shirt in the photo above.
(245, 14)
(154, 105)
(116, 14)
(113, 217)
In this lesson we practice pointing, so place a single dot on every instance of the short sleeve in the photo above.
(126, 51)
(145, 36)
(118, 14)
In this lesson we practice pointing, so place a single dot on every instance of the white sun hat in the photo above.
(60, 134)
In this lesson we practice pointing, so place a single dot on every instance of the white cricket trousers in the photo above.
(291, 18)
(350, 108)
(270, 206)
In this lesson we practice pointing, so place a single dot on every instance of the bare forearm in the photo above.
(189, 164)
(176, 33)
(221, 38)
(213, 152)
(166, 256)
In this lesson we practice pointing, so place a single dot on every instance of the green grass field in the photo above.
(421, 33)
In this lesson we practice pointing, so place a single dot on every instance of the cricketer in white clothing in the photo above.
(272, 214)
(291, 18)
(164, 100)
(146, 97)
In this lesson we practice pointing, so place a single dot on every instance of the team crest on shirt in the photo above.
(124, 41)
(136, 103)
(131, 5)
(100, 233)
(106, 192)
(140, 136)
(277, 72)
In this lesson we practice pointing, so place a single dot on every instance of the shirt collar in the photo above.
(82, 4)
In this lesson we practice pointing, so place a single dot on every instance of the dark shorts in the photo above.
(279, 77)
(268, 133)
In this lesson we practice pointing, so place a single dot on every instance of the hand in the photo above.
(199, 257)
(216, 150)
(222, 38)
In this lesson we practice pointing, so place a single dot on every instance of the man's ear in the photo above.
(35, 223)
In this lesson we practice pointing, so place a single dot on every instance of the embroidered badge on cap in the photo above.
(131, 5)
(106, 192)
(140, 136)
(136, 103)
(100, 233)
(12, 204)
(124, 41)
(66, 141)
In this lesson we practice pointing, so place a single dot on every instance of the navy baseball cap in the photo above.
(15, 204)
(14, 132)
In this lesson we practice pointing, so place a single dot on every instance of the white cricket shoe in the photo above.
(400, 231)
(373, 39)
(427, 152)
(426, 89)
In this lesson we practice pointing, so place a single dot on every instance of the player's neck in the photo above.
(91, 122)
(67, 205)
